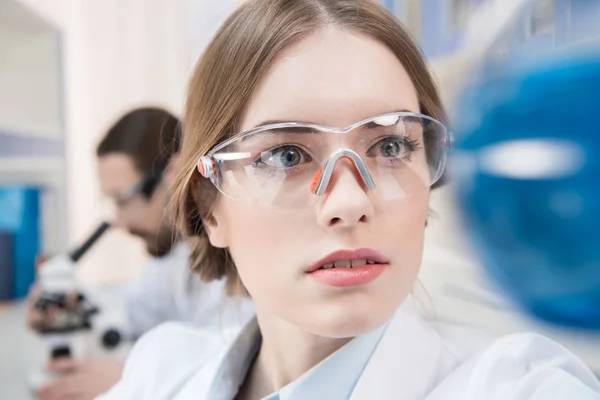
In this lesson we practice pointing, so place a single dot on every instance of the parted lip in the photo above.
(345, 255)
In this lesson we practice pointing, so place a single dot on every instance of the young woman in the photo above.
(312, 136)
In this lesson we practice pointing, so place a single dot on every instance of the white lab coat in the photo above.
(166, 290)
(414, 360)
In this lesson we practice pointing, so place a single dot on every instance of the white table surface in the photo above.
(21, 353)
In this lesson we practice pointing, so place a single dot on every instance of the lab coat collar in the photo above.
(405, 363)
(335, 376)
(234, 363)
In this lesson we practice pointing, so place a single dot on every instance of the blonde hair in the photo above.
(228, 73)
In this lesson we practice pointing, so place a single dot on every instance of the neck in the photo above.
(286, 353)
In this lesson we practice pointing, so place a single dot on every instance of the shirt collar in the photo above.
(333, 378)
(337, 375)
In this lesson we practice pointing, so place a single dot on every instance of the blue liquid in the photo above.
(538, 237)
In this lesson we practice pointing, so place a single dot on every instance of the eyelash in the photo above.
(412, 145)
(272, 171)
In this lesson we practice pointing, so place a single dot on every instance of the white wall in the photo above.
(118, 54)
(30, 82)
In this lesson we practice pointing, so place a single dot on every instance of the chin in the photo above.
(344, 319)
(156, 251)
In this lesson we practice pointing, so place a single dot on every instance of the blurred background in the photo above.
(68, 68)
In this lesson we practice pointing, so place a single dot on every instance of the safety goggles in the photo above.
(290, 165)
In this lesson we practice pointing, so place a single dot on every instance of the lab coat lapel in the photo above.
(403, 366)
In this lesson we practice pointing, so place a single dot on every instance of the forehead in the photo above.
(333, 77)
(116, 172)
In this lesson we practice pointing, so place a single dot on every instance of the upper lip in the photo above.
(341, 255)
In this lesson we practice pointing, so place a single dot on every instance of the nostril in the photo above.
(338, 220)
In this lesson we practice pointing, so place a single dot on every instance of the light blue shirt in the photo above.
(333, 378)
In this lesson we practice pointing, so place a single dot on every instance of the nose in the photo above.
(345, 202)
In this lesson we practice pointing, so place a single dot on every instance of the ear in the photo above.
(215, 231)
(211, 219)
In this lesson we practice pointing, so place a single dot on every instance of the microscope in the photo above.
(83, 320)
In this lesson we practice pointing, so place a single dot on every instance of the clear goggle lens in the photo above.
(291, 164)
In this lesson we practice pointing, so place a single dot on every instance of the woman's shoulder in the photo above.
(181, 342)
(165, 357)
(520, 366)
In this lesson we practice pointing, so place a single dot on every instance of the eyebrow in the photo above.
(275, 121)
(288, 130)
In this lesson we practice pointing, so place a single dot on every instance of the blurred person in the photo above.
(137, 160)
(313, 136)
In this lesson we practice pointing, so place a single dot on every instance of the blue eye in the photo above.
(392, 147)
(284, 157)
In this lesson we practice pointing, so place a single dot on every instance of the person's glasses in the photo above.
(127, 195)
(130, 201)
(290, 164)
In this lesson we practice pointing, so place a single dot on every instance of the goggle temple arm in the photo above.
(206, 166)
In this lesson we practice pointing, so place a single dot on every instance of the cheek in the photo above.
(404, 227)
(406, 218)
(264, 243)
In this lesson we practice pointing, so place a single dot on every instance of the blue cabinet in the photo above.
(6, 265)
(20, 227)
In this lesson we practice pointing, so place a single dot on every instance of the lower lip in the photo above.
(345, 277)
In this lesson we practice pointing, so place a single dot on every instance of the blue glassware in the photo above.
(527, 166)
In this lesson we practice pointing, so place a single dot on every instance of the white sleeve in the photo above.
(524, 366)
(164, 359)
(149, 300)
(562, 385)
(549, 371)
(166, 290)
(129, 386)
